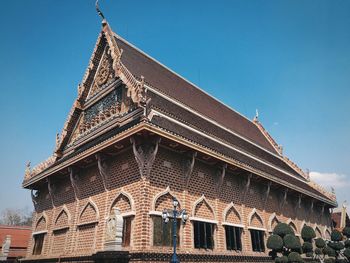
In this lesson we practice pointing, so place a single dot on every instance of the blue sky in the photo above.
(288, 59)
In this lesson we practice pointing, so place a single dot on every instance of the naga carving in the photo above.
(267, 193)
(247, 186)
(285, 194)
(188, 168)
(220, 178)
(145, 154)
(35, 197)
(102, 168)
(299, 202)
(52, 189)
(74, 177)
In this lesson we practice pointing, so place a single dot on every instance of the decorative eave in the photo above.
(144, 125)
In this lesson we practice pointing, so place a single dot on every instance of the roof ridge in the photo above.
(178, 75)
(267, 135)
(278, 148)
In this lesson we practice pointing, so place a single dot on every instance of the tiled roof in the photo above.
(171, 84)
(19, 239)
(194, 137)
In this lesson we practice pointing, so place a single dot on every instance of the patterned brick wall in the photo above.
(77, 226)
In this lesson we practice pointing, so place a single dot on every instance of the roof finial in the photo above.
(256, 115)
(99, 11)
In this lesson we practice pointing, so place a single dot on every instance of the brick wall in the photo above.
(76, 226)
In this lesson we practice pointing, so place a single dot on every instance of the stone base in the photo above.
(111, 256)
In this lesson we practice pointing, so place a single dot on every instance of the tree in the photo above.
(285, 246)
(16, 217)
(336, 250)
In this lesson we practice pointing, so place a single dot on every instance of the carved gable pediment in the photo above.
(108, 91)
(105, 74)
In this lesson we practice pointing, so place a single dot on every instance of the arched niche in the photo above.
(202, 209)
(63, 218)
(41, 224)
(89, 213)
(124, 201)
(255, 220)
(292, 225)
(231, 215)
(164, 199)
(273, 221)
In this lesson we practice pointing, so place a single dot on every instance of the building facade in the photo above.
(139, 135)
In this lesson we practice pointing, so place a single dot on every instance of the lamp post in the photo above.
(174, 213)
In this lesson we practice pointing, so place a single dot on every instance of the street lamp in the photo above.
(174, 213)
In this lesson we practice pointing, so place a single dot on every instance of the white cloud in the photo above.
(329, 180)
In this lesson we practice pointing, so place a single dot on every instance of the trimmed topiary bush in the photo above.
(308, 233)
(307, 247)
(329, 260)
(292, 242)
(329, 251)
(283, 229)
(336, 245)
(318, 251)
(336, 235)
(347, 253)
(275, 242)
(284, 259)
(320, 243)
(347, 243)
(346, 231)
(294, 257)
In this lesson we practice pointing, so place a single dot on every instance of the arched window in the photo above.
(204, 224)
(124, 202)
(60, 232)
(257, 231)
(233, 228)
(39, 235)
(163, 232)
(87, 227)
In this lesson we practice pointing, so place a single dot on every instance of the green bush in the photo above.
(275, 242)
(307, 233)
(307, 247)
(309, 254)
(337, 246)
(340, 260)
(284, 259)
(347, 253)
(320, 243)
(329, 260)
(336, 235)
(283, 229)
(294, 257)
(329, 251)
(292, 242)
(346, 231)
(347, 243)
(318, 251)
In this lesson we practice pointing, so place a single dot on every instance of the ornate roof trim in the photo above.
(170, 135)
(268, 136)
(279, 149)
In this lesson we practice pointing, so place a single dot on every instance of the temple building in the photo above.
(139, 135)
